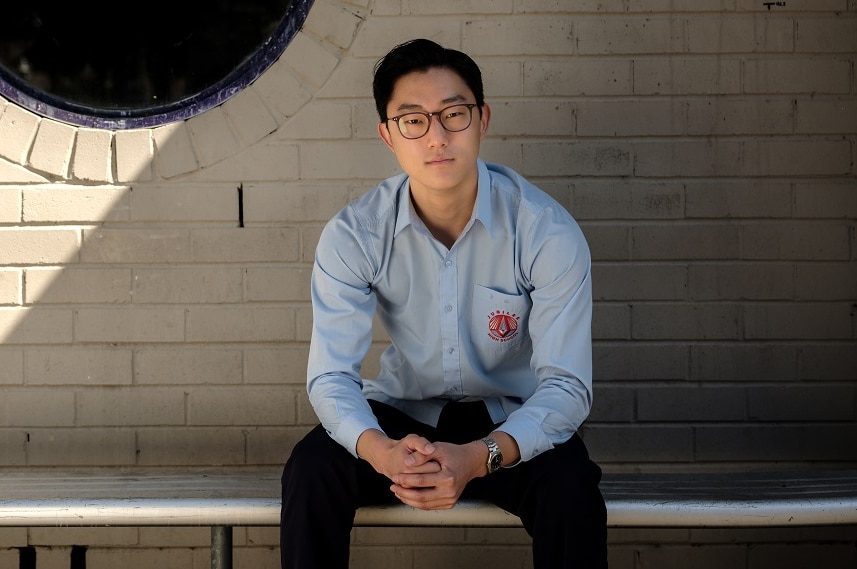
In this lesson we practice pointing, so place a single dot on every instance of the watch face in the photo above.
(496, 462)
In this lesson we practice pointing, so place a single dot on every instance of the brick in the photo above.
(774, 157)
(333, 24)
(9, 558)
(590, 76)
(129, 325)
(790, 74)
(13, 445)
(259, 405)
(134, 152)
(351, 79)
(378, 35)
(677, 241)
(285, 364)
(750, 116)
(689, 157)
(801, 555)
(801, 403)
(613, 404)
(309, 60)
(93, 156)
(638, 443)
(185, 203)
(832, 33)
(643, 117)
(187, 366)
(248, 117)
(190, 446)
(79, 204)
(676, 75)
(347, 160)
(826, 281)
(28, 407)
(53, 557)
(825, 199)
(677, 556)
(173, 152)
(10, 205)
(796, 240)
(35, 326)
(760, 443)
(80, 447)
(240, 324)
(743, 362)
(128, 407)
(11, 291)
(738, 198)
(695, 321)
(155, 245)
(177, 536)
(640, 361)
(692, 404)
(826, 115)
(630, 281)
(283, 284)
(188, 285)
(270, 244)
(834, 361)
(172, 558)
(282, 92)
(746, 34)
(92, 537)
(11, 367)
(630, 35)
(78, 366)
(740, 281)
(298, 201)
(611, 242)
(628, 200)
(798, 320)
(38, 246)
(212, 137)
(52, 148)
(264, 162)
(77, 285)
(19, 128)
(320, 119)
(523, 35)
(267, 445)
(611, 321)
(578, 159)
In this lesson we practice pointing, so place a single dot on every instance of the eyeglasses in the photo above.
(453, 119)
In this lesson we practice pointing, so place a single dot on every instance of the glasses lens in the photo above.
(456, 118)
(413, 125)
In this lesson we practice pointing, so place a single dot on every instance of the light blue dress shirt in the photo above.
(503, 316)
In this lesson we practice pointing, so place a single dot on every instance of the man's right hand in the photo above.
(391, 457)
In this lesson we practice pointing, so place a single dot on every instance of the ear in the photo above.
(484, 119)
(384, 133)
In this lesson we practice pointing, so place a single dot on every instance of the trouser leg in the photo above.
(556, 495)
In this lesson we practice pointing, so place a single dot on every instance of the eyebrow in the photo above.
(448, 100)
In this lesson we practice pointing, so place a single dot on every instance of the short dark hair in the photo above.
(422, 55)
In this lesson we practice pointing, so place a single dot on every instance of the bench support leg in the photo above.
(221, 547)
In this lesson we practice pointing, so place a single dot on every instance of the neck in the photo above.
(445, 216)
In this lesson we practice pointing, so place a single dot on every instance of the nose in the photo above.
(436, 135)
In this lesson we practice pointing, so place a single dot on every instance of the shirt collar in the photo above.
(481, 211)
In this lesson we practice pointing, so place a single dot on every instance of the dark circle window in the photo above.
(90, 65)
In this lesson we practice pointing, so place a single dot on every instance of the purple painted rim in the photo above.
(47, 105)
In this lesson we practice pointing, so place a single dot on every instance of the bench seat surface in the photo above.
(249, 496)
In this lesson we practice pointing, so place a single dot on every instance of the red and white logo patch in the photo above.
(502, 325)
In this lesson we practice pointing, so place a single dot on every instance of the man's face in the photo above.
(440, 161)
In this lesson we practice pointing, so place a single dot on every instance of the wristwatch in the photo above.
(495, 457)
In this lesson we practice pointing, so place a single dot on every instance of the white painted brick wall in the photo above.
(707, 147)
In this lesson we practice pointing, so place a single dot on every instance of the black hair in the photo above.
(422, 55)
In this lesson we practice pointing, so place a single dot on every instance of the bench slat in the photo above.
(248, 496)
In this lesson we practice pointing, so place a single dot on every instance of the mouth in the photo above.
(439, 161)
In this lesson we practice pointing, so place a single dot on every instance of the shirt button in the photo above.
(450, 350)
(448, 263)
(448, 308)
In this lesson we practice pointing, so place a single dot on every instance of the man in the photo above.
(482, 282)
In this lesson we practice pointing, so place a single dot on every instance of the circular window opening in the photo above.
(82, 64)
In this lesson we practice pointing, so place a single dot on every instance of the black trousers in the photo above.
(555, 494)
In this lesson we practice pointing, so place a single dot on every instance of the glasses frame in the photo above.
(429, 116)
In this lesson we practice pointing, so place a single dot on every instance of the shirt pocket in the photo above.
(499, 322)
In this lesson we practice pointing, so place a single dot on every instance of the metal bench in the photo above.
(224, 498)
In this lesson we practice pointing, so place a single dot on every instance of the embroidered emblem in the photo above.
(502, 325)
